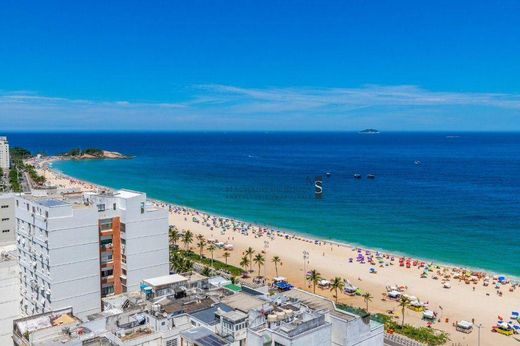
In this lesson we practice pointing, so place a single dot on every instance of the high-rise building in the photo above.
(7, 218)
(74, 250)
(4, 154)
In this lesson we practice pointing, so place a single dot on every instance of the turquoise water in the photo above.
(460, 204)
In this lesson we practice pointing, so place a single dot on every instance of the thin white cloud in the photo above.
(222, 106)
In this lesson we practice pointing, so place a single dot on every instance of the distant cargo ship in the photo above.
(369, 132)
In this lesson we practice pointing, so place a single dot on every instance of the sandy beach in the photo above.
(463, 301)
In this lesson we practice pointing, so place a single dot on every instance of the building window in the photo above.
(114, 206)
(107, 290)
(172, 342)
(101, 207)
(5, 219)
(7, 206)
(105, 224)
(5, 231)
(122, 227)
(106, 273)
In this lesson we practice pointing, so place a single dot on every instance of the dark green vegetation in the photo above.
(217, 265)
(17, 167)
(428, 336)
(77, 152)
(37, 179)
(18, 154)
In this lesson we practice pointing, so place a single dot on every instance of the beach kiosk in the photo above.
(464, 326)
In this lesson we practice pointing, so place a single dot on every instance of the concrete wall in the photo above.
(60, 254)
(355, 333)
(146, 246)
(4, 154)
(316, 336)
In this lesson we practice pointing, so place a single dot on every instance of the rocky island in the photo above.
(92, 153)
(369, 132)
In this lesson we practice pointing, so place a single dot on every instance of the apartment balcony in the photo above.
(107, 279)
(106, 248)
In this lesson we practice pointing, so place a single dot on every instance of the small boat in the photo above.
(371, 176)
(357, 176)
(417, 162)
(327, 174)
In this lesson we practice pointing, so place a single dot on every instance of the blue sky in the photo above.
(269, 65)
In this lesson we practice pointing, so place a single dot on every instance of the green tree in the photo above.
(249, 252)
(314, 276)
(201, 244)
(259, 261)
(211, 249)
(403, 303)
(244, 262)
(226, 255)
(367, 297)
(337, 284)
(187, 239)
(276, 260)
(174, 235)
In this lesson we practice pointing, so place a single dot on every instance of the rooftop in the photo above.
(127, 193)
(52, 202)
(165, 280)
(203, 337)
(316, 302)
(234, 316)
(243, 302)
(209, 315)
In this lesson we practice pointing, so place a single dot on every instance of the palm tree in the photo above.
(367, 297)
(201, 243)
(174, 235)
(403, 303)
(249, 252)
(226, 255)
(211, 249)
(187, 239)
(314, 277)
(276, 260)
(337, 284)
(187, 265)
(244, 262)
(259, 260)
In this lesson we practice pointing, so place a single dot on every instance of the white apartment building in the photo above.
(7, 218)
(4, 154)
(76, 249)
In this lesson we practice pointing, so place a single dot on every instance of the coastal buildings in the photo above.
(7, 218)
(4, 154)
(191, 315)
(75, 249)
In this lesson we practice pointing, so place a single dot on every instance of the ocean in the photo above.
(449, 197)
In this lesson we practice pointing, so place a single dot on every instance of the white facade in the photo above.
(75, 251)
(144, 235)
(58, 249)
(4, 154)
(7, 219)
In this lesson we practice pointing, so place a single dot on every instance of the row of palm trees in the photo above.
(335, 285)
(246, 262)
(338, 284)
(187, 239)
